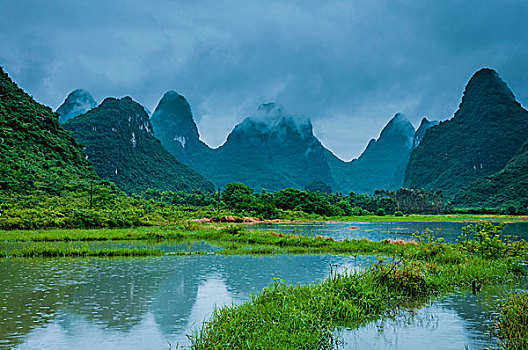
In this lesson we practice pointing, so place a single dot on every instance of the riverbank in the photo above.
(304, 218)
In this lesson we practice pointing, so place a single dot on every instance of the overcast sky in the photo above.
(349, 66)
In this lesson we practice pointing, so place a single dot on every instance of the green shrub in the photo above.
(380, 212)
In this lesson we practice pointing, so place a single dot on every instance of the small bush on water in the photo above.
(405, 277)
(485, 239)
(234, 229)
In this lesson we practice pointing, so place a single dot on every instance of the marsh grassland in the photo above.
(285, 316)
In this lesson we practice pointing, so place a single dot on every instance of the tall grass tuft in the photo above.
(512, 323)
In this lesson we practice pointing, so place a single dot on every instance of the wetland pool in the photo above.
(380, 230)
(155, 302)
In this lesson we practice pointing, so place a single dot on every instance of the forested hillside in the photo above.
(510, 185)
(486, 132)
(119, 142)
(37, 156)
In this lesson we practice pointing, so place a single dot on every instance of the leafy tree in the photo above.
(238, 196)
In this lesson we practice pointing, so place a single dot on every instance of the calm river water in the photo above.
(154, 302)
(379, 230)
(135, 303)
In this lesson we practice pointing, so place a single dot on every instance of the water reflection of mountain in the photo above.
(117, 294)
(175, 298)
(31, 290)
(142, 301)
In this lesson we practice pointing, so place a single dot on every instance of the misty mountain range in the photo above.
(477, 157)
(273, 149)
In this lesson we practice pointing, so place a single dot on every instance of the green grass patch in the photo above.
(234, 239)
(53, 250)
(512, 322)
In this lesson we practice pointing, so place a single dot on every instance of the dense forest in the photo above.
(120, 143)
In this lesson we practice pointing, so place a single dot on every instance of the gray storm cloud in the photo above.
(347, 65)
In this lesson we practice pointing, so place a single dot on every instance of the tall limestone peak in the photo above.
(173, 124)
(484, 85)
(484, 134)
(398, 132)
(425, 124)
(121, 145)
(122, 115)
(273, 120)
(397, 135)
(382, 163)
(273, 149)
(173, 115)
(78, 102)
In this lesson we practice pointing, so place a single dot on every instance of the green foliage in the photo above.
(238, 196)
(110, 208)
(243, 200)
(38, 158)
(512, 322)
(485, 239)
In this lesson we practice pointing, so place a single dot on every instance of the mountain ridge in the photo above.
(120, 142)
(37, 155)
(483, 135)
